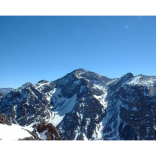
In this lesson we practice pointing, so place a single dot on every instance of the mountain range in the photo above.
(84, 105)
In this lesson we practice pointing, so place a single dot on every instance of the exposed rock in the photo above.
(42, 81)
(4, 119)
(80, 137)
(52, 133)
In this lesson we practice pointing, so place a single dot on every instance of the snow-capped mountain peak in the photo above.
(89, 106)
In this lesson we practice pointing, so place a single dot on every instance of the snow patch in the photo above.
(134, 80)
(97, 135)
(85, 138)
(142, 80)
(42, 135)
(13, 132)
(62, 108)
(101, 98)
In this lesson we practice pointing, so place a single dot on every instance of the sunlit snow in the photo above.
(59, 112)
(13, 132)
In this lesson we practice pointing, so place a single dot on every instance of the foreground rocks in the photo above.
(50, 132)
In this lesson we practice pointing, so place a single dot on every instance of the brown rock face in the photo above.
(52, 133)
(41, 127)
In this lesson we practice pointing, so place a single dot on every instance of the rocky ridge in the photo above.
(84, 105)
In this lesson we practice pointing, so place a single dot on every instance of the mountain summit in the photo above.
(84, 105)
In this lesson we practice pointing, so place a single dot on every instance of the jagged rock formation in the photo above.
(4, 119)
(25, 105)
(51, 131)
(131, 109)
(84, 105)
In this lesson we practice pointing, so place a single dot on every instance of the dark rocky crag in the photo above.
(4, 119)
(25, 105)
(52, 133)
(131, 109)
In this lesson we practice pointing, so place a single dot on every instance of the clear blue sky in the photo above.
(35, 48)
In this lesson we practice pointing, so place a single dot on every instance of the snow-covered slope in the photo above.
(12, 132)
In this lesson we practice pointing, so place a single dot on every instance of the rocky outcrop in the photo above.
(51, 131)
(4, 119)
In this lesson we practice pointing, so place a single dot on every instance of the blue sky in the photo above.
(48, 47)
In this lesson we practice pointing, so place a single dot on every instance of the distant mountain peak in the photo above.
(128, 75)
(42, 81)
(27, 84)
(79, 70)
(5, 91)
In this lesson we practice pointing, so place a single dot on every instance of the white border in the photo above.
(77, 7)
